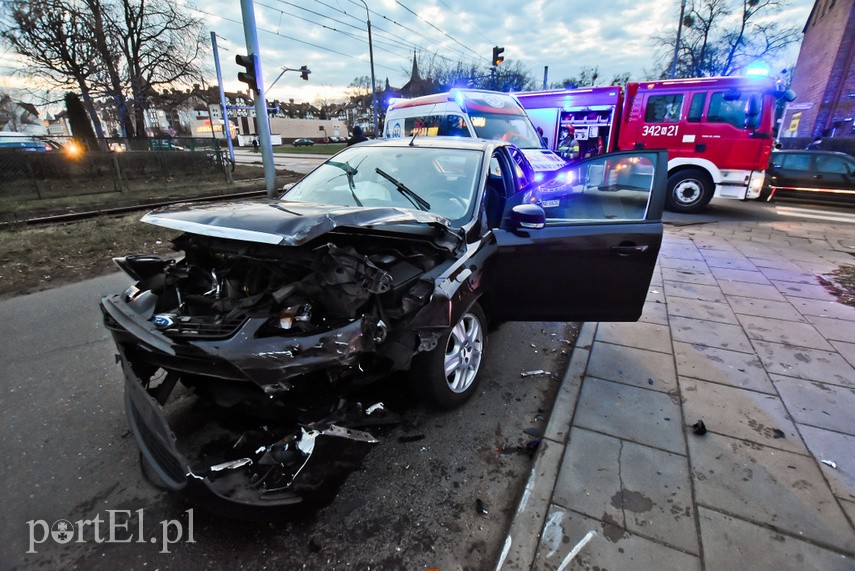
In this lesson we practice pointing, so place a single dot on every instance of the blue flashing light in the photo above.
(538, 177)
(757, 69)
(458, 96)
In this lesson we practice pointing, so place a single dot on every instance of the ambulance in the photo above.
(470, 113)
(718, 130)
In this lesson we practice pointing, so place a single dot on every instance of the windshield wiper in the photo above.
(408, 193)
(349, 171)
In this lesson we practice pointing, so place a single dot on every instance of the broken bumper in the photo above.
(303, 469)
(267, 361)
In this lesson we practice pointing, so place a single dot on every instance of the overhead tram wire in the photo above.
(450, 9)
(287, 37)
(395, 37)
(390, 46)
(410, 30)
(395, 42)
(443, 32)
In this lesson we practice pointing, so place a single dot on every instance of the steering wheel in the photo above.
(447, 203)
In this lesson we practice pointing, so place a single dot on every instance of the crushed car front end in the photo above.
(277, 335)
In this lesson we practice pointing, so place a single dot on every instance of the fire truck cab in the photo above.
(718, 131)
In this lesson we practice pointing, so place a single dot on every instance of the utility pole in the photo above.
(677, 42)
(371, 58)
(249, 31)
(227, 126)
(545, 76)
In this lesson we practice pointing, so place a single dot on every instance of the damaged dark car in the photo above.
(391, 257)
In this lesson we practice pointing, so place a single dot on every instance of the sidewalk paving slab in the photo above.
(710, 333)
(740, 413)
(611, 548)
(631, 413)
(639, 367)
(768, 486)
(742, 370)
(804, 363)
(818, 404)
(649, 492)
(784, 332)
(834, 447)
(732, 543)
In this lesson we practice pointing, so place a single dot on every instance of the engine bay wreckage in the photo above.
(276, 323)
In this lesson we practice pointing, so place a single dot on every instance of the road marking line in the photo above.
(590, 535)
(804, 213)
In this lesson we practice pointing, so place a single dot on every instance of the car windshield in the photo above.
(441, 181)
(515, 129)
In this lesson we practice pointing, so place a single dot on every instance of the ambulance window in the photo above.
(663, 108)
(696, 108)
(436, 125)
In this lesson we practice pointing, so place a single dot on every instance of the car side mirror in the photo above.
(527, 216)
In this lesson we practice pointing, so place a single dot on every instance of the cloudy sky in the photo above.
(330, 37)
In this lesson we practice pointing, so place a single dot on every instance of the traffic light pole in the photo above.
(248, 12)
(227, 125)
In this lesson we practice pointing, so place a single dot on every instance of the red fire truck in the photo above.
(718, 131)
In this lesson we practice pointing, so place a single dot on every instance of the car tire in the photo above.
(689, 191)
(448, 376)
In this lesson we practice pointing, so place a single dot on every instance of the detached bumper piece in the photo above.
(302, 469)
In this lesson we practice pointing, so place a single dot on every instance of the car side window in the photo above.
(796, 162)
(607, 188)
(831, 165)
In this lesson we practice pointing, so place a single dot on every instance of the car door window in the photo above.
(831, 165)
(796, 162)
(616, 187)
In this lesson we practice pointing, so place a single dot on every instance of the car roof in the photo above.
(811, 152)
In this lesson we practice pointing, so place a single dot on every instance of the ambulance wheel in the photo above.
(689, 191)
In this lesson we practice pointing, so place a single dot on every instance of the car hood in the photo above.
(296, 223)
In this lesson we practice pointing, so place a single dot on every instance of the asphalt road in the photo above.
(67, 455)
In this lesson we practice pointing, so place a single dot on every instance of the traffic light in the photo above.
(248, 76)
(497, 55)
(304, 72)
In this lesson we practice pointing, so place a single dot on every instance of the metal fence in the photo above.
(66, 171)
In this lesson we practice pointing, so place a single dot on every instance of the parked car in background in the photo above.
(819, 175)
(303, 142)
(391, 256)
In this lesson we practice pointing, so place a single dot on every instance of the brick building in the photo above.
(824, 77)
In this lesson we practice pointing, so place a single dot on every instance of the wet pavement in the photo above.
(737, 333)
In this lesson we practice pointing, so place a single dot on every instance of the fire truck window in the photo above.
(696, 108)
(663, 108)
(796, 162)
(727, 110)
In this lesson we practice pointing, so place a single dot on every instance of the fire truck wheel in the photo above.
(688, 191)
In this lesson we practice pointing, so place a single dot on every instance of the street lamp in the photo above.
(371, 57)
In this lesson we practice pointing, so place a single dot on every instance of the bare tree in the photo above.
(723, 37)
(160, 45)
(53, 35)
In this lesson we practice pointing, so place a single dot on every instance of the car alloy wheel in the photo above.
(463, 353)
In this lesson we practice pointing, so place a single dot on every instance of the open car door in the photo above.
(582, 247)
